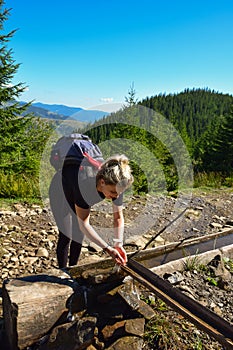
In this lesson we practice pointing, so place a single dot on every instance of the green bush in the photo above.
(18, 186)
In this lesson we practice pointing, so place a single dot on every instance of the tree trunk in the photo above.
(32, 305)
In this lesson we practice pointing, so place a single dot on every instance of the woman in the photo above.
(71, 197)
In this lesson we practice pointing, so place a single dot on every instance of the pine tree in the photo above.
(131, 98)
(221, 154)
(22, 136)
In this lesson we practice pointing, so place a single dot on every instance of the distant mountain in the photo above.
(43, 113)
(58, 109)
(89, 115)
(62, 112)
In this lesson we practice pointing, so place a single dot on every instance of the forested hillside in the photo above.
(203, 118)
(192, 112)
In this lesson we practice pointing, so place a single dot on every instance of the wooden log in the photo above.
(107, 263)
(32, 305)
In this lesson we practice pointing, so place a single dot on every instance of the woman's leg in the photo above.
(62, 250)
(76, 243)
(64, 240)
(69, 182)
(60, 210)
(75, 250)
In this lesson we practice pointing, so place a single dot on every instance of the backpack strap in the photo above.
(97, 164)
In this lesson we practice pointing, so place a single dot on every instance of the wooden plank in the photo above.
(140, 255)
(108, 263)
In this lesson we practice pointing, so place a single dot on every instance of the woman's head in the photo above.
(116, 171)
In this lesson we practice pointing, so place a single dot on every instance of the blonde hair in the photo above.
(116, 171)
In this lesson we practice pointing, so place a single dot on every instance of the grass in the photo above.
(18, 186)
(166, 331)
(159, 333)
(27, 186)
(192, 263)
(213, 180)
(228, 264)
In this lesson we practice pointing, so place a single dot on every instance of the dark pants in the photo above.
(63, 208)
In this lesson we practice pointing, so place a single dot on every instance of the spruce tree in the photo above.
(221, 154)
(131, 99)
(22, 136)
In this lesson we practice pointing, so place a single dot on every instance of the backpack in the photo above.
(77, 149)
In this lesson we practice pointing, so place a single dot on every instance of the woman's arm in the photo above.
(84, 224)
(118, 219)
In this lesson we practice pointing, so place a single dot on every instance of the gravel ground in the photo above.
(26, 230)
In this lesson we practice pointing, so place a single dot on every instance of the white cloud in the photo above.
(107, 107)
(106, 99)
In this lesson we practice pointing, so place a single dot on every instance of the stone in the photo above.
(137, 240)
(215, 225)
(72, 336)
(135, 326)
(219, 269)
(174, 278)
(91, 347)
(30, 260)
(127, 343)
(138, 305)
(145, 310)
(117, 329)
(42, 252)
(192, 214)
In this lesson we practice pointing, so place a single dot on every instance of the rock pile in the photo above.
(26, 246)
(52, 311)
(96, 310)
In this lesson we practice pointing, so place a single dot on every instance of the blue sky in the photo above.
(86, 53)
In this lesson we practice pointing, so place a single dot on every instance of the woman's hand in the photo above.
(118, 254)
(122, 253)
